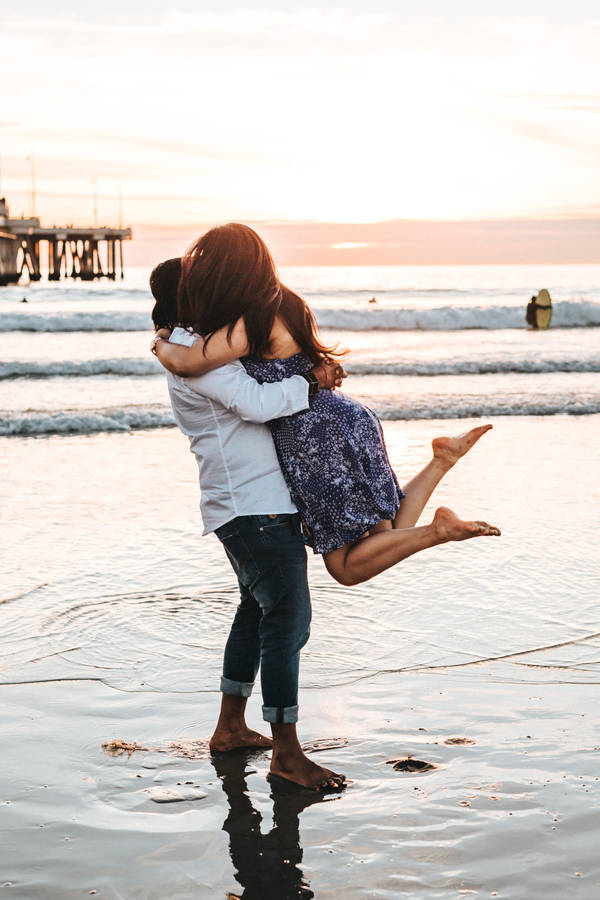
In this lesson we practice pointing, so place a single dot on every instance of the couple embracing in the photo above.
(284, 459)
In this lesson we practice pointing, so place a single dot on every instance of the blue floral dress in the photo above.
(333, 458)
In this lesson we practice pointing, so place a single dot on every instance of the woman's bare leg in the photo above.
(446, 453)
(385, 546)
(373, 554)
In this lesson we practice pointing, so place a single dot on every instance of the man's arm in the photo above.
(233, 388)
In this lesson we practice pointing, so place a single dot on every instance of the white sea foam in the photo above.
(125, 367)
(75, 321)
(137, 366)
(436, 407)
(85, 422)
(566, 314)
(524, 365)
(468, 407)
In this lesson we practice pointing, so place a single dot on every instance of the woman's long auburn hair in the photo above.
(228, 274)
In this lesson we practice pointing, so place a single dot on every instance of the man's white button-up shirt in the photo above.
(223, 414)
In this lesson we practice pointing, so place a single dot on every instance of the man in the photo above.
(530, 313)
(245, 501)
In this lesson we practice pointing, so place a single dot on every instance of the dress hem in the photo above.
(346, 537)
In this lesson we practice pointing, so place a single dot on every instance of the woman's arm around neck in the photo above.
(189, 362)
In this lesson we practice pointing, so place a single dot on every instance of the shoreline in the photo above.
(113, 585)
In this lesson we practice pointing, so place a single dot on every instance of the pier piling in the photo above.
(86, 253)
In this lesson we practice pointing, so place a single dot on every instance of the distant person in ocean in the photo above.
(530, 316)
(332, 454)
(539, 310)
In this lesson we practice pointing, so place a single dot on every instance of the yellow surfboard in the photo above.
(543, 312)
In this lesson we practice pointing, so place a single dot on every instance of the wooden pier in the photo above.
(86, 253)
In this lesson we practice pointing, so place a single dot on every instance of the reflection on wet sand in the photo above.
(266, 865)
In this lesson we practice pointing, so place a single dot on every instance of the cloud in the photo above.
(554, 135)
(584, 102)
(296, 112)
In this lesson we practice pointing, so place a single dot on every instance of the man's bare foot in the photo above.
(450, 528)
(448, 450)
(297, 768)
(236, 738)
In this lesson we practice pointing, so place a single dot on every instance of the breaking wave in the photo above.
(142, 418)
(137, 366)
(474, 367)
(32, 369)
(473, 407)
(566, 314)
(86, 422)
(75, 321)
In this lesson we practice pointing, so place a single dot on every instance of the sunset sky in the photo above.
(275, 111)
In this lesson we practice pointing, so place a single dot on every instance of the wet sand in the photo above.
(512, 813)
(479, 660)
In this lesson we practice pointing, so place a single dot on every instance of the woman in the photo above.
(332, 455)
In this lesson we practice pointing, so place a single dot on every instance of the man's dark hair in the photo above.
(164, 282)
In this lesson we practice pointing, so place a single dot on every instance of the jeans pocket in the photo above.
(279, 520)
(226, 535)
(282, 544)
(241, 558)
(227, 531)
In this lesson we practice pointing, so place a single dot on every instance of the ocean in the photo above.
(438, 342)
(481, 659)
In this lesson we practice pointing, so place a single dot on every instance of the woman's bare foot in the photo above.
(450, 528)
(297, 768)
(235, 738)
(448, 450)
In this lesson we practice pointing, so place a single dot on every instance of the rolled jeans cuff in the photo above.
(236, 688)
(282, 715)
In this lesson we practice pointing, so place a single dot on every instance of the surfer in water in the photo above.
(530, 316)
(539, 311)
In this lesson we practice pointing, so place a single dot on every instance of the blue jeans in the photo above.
(272, 622)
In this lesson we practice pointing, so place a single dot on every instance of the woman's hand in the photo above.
(329, 374)
(163, 334)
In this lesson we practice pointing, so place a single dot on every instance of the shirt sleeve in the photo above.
(233, 388)
(181, 335)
